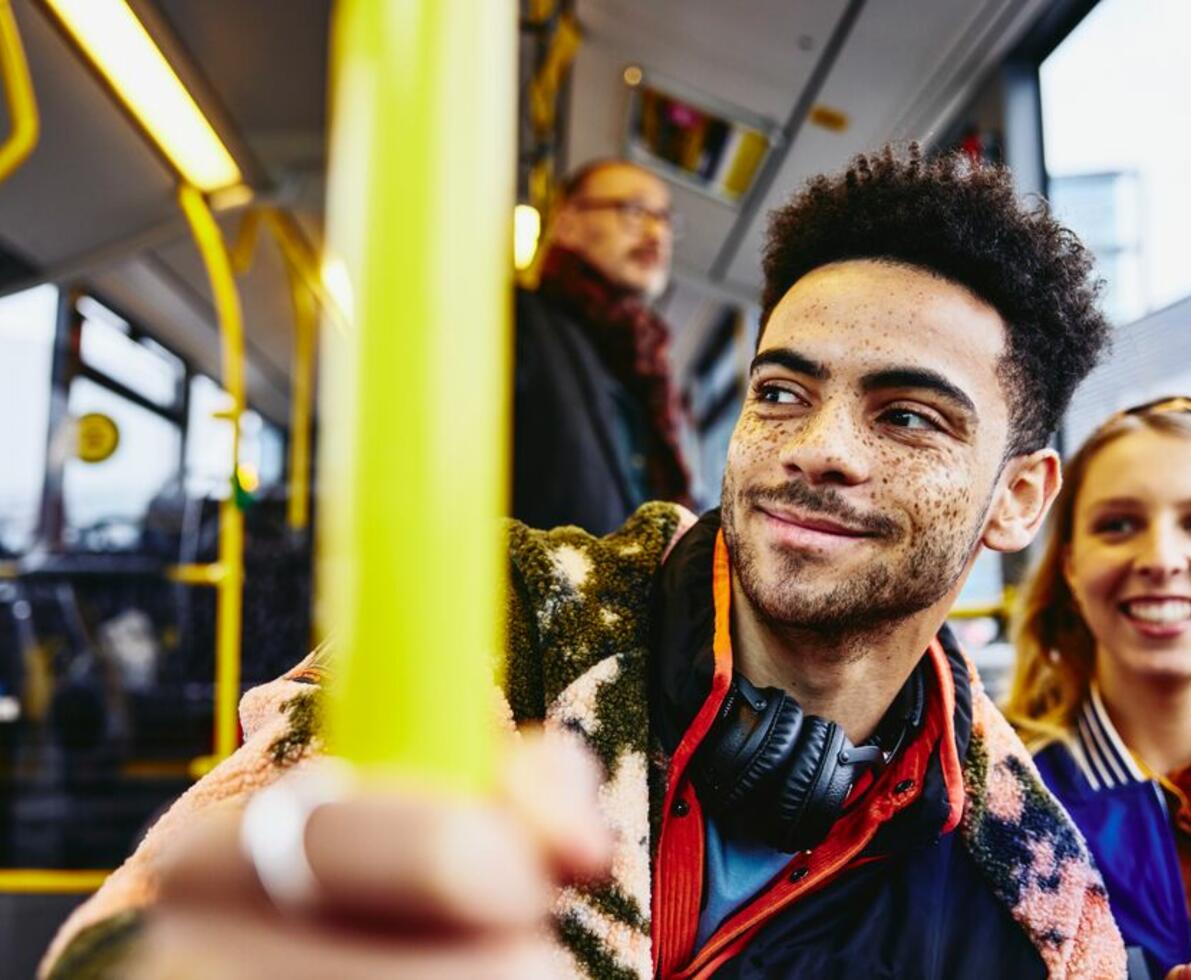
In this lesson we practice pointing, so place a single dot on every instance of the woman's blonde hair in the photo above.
(1055, 649)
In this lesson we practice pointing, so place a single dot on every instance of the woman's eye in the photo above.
(904, 418)
(1116, 525)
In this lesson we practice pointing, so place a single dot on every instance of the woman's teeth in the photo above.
(1159, 610)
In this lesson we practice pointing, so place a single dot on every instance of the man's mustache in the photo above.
(823, 503)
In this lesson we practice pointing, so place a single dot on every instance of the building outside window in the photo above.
(1117, 140)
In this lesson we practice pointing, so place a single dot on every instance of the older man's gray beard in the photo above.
(876, 597)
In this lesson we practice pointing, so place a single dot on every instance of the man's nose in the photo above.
(827, 447)
(656, 225)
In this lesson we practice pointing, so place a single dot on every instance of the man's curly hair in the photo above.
(961, 221)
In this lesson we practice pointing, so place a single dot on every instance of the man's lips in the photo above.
(815, 523)
(646, 256)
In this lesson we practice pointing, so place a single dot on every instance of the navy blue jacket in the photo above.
(1123, 815)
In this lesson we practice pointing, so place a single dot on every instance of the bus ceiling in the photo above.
(789, 88)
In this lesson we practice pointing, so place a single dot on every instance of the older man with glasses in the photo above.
(597, 420)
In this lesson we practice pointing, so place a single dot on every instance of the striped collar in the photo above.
(1099, 750)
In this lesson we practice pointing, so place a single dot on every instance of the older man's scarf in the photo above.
(632, 342)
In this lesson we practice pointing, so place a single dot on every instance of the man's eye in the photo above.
(774, 395)
(904, 418)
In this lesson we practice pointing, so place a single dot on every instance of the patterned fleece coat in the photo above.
(579, 630)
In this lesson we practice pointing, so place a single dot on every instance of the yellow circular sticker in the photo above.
(98, 437)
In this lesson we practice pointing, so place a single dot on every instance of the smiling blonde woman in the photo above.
(1102, 691)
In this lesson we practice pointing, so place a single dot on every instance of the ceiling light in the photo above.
(338, 283)
(527, 228)
(116, 42)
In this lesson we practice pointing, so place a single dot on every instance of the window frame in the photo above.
(67, 364)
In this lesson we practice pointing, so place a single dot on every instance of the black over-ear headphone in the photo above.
(768, 771)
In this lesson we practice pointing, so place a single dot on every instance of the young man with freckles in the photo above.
(798, 773)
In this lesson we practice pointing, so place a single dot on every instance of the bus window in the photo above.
(209, 440)
(26, 352)
(106, 501)
(142, 365)
(262, 453)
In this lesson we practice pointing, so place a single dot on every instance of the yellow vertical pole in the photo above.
(230, 583)
(305, 334)
(412, 453)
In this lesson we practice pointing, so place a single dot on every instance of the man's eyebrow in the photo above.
(791, 360)
(912, 377)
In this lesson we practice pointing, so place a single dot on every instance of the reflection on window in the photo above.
(146, 368)
(106, 501)
(272, 456)
(262, 453)
(209, 445)
(208, 441)
(1117, 138)
(26, 355)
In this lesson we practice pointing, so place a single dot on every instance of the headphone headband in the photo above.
(773, 773)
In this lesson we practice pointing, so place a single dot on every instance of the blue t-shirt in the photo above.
(734, 871)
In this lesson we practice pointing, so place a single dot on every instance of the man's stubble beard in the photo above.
(876, 597)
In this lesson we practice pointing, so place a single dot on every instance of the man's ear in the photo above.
(562, 226)
(1030, 486)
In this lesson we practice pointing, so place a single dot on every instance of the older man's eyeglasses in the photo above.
(633, 214)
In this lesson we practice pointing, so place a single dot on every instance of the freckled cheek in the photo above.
(934, 504)
(756, 440)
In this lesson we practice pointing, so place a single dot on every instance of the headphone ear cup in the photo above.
(784, 729)
(811, 794)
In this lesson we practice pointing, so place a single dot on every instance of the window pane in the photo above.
(262, 453)
(26, 357)
(272, 456)
(106, 502)
(145, 368)
(1118, 147)
(209, 445)
(208, 441)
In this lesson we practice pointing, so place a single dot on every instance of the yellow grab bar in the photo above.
(999, 610)
(18, 95)
(230, 584)
(38, 881)
(415, 394)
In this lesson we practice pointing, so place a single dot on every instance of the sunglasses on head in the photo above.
(1159, 406)
(1175, 403)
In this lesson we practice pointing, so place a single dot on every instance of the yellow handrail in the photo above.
(300, 257)
(306, 286)
(39, 881)
(301, 393)
(303, 260)
(210, 573)
(412, 473)
(1001, 609)
(229, 587)
(18, 95)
